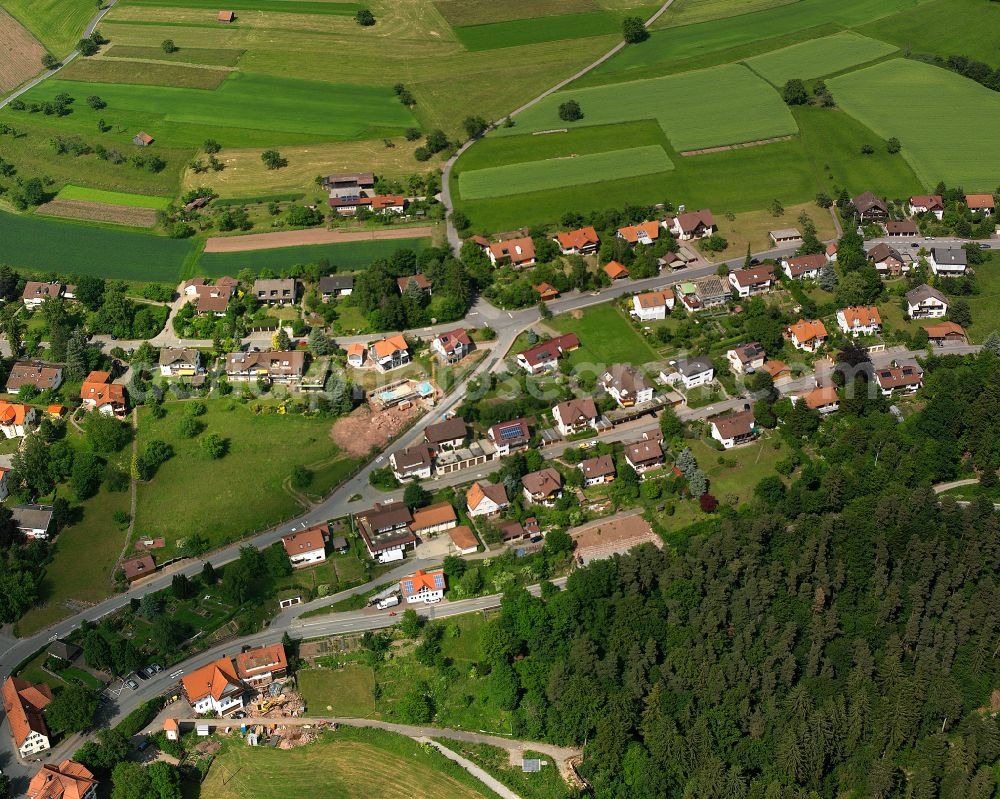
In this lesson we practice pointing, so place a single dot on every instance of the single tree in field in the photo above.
(168, 46)
(272, 159)
(570, 111)
(893, 146)
(633, 30)
(365, 18)
(794, 92)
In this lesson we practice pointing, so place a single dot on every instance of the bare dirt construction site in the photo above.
(294, 238)
(22, 53)
(366, 429)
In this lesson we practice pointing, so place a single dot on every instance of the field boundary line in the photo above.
(310, 236)
(739, 146)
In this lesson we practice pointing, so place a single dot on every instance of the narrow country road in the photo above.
(480, 774)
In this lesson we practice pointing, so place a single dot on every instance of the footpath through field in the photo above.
(295, 238)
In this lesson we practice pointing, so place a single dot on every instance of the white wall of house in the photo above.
(307, 558)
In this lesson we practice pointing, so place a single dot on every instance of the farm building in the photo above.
(142, 139)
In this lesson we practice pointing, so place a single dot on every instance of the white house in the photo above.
(389, 353)
(692, 373)
(485, 499)
(652, 306)
(575, 416)
(808, 335)
(15, 418)
(692, 225)
(423, 586)
(598, 470)
(23, 704)
(509, 436)
(734, 429)
(545, 356)
(925, 302)
(453, 345)
(860, 320)
(930, 204)
(802, 267)
(948, 261)
(179, 362)
(33, 521)
(627, 386)
(356, 354)
(746, 358)
(35, 293)
(214, 688)
(416, 462)
(905, 379)
(756, 280)
(306, 547)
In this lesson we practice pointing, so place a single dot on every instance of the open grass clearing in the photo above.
(889, 96)
(985, 305)
(723, 105)
(743, 468)
(57, 24)
(544, 784)
(606, 337)
(348, 691)
(481, 12)
(819, 57)
(279, 6)
(50, 246)
(22, 53)
(344, 257)
(207, 56)
(105, 70)
(751, 227)
(559, 172)
(71, 192)
(461, 637)
(513, 33)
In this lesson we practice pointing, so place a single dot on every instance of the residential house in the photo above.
(15, 418)
(23, 703)
(419, 280)
(745, 359)
(41, 376)
(615, 270)
(518, 253)
(423, 586)
(545, 356)
(785, 237)
(433, 519)
(925, 302)
(99, 393)
(646, 233)
(692, 225)
(485, 499)
(755, 280)
(63, 650)
(179, 362)
(214, 299)
(651, 306)
(706, 292)
(627, 385)
(734, 429)
(416, 462)
(905, 379)
(692, 372)
(389, 353)
(385, 529)
(284, 367)
(860, 320)
(546, 291)
(946, 332)
(452, 346)
(803, 267)
(680, 259)
(463, 539)
(260, 666)
(306, 547)
(584, 241)
(333, 286)
(543, 487)
(932, 204)
(350, 184)
(644, 455)
(831, 251)
(510, 436)
(138, 567)
(598, 470)
(981, 203)
(5, 474)
(575, 416)
(349, 206)
(887, 260)
(68, 780)
(779, 370)
(948, 261)
(901, 228)
(214, 688)
(356, 355)
(808, 335)
(822, 398)
(276, 291)
(449, 434)
(870, 208)
(34, 521)
(388, 204)
(36, 292)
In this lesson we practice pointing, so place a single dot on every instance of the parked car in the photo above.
(156, 668)
(983, 245)
(132, 684)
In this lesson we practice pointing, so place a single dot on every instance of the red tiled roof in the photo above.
(631, 232)
(210, 680)
(261, 659)
(68, 780)
(304, 540)
(615, 270)
(578, 239)
(861, 316)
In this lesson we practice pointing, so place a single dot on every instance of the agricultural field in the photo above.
(514, 33)
(47, 246)
(559, 172)
(889, 97)
(818, 57)
(71, 192)
(280, 6)
(57, 24)
(707, 108)
(606, 337)
(22, 53)
(106, 70)
(127, 215)
(688, 12)
(481, 12)
(206, 56)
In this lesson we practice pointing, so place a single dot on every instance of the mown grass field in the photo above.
(280, 6)
(559, 172)
(209, 56)
(480, 12)
(985, 305)
(108, 71)
(71, 192)
(513, 33)
(706, 108)
(959, 132)
(688, 12)
(349, 691)
(57, 24)
(606, 337)
(345, 257)
(818, 57)
(45, 245)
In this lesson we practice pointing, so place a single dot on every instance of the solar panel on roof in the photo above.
(439, 581)
(408, 586)
(507, 433)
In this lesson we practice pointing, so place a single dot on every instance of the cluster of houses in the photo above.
(225, 685)
(350, 192)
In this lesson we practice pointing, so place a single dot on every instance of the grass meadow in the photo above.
(706, 108)
(280, 6)
(958, 135)
(349, 691)
(460, 13)
(208, 56)
(71, 192)
(819, 57)
(513, 33)
(566, 171)
(688, 12)
(57, 24)
(114, 71)
(606, 337)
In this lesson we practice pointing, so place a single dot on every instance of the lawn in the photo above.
(560, 172)
(705, 108)
(209, 56)
(752, 463)
(348, 764)
(606, 337)
(63, 247)
(343, 257)
(985, 305)
(688, 12)
(479, 12)
(277, 6)
(58, 24)
(108, 71)
(887, 97)
(71, 192)
(243, 500)
(349, 691)
(818, 57)
(514, 33)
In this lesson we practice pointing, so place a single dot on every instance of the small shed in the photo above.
(142, 139)
(172, 729)
(226, 16)
(531, 765)
(202, 730)
(340, 544)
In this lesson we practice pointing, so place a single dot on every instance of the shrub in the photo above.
(570, 111)
(633, 30)
(365, 18)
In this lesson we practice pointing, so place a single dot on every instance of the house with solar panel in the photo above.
(421, 586)
(510, 436)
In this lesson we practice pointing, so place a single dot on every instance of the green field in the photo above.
(555, 173)
(958, 137)
(246, 110)
(64, 247)
(480, 12)
(209, 56)
(58, 24)
(819, 57)
(706, 108)
(606, 337)
(688, 12)
(514, 33)
(105, 70)
(276, 6)
(348, 691)
(349, 256)
(986, 304)
(71, 192)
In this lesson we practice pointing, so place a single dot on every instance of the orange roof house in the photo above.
(946, 331)
(262, 664)
(68, 780)
(822, 398)
(646, 233)
(807, 335)
(99, 392)
(384, 348)
(546, 291)
(356, 354)
(464, 539)
(583, 241)
(518, 252)
(23, 704)
(14, 415)
(615, 270)
(980, 202)
(214, 687)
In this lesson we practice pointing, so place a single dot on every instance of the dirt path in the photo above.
(295, 238)
(742, 145)
(490, 782)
